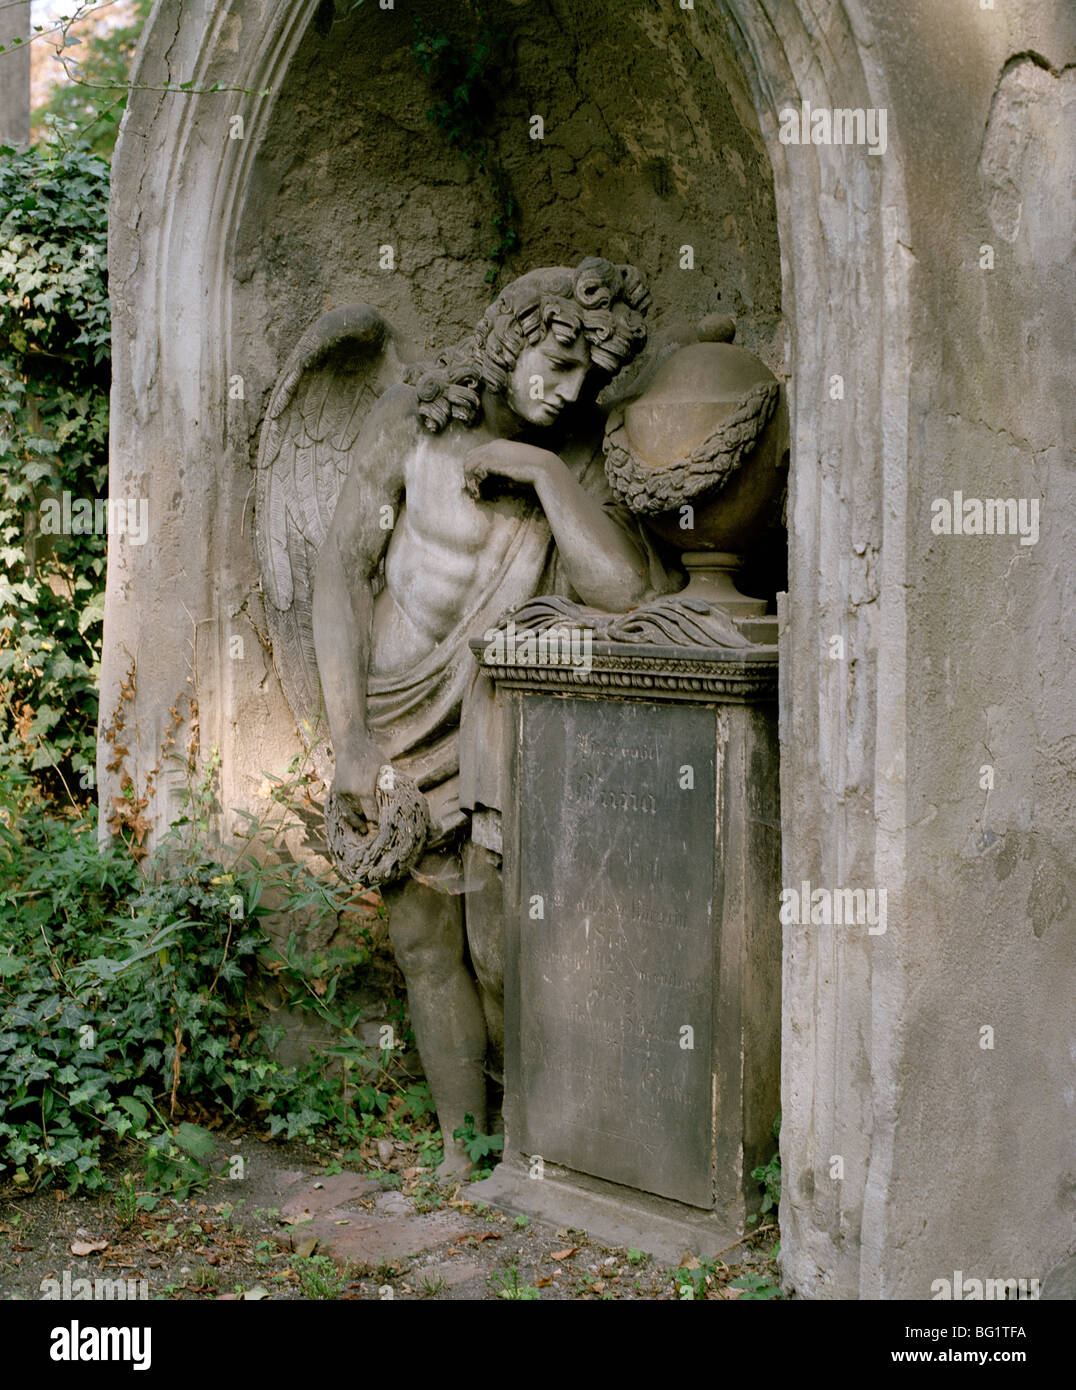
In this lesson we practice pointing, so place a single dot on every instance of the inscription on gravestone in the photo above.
(617, 808)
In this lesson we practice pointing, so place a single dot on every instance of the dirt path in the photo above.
(291, 1224)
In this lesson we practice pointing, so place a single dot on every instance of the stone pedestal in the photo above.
(643, 949)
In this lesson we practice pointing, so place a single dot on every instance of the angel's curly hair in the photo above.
(606, 303)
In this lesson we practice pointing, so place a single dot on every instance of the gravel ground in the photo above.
(299, 1225)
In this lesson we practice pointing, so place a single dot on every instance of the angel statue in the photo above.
(401, 512)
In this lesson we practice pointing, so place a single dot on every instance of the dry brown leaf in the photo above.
(563, 1254)
(87, 1247)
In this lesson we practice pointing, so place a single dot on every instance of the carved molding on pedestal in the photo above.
(672, 647)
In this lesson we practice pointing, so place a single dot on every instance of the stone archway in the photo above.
(196, 215)
(850, 291)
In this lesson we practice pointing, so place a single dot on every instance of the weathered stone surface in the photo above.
(958, 650)
(15, 74)
(326, 1195)
(622, 958)
(642, 999)
(384, 1227)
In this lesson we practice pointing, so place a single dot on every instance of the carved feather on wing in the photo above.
(339, 367)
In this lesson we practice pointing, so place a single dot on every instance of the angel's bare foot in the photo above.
(455, 1166)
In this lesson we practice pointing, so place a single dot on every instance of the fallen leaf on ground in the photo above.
(563, 1254)
(544, 1283)
(479, 1236)
(84, 1247)
(305, 1248)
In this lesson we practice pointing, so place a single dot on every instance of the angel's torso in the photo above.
(446, 552)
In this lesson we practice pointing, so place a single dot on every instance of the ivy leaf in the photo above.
(137, 1111)
(195, 1140)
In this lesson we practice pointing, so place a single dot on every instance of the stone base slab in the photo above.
(620, 1217)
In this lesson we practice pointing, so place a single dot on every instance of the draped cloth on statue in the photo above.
(439, 721)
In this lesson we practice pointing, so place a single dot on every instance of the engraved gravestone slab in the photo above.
(616, 831)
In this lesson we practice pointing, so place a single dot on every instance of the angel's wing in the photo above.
(340, 366)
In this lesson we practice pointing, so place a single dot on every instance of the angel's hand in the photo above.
(355, 785)
(508, 458)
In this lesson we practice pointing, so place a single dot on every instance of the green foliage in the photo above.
(429, 1194)
(692, 1283)
(507, 1285)
(769, 1178)
(466, 75)
(636, 1256)
(54, 381)
(125, 1200)
(320, 1278)
(477, 1146)
(92, 106)
(124, 1000)
(756, 1287)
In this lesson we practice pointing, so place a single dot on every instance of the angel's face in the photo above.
(547, 378)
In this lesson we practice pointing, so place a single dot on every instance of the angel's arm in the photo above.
(606, 567)
(343, 597)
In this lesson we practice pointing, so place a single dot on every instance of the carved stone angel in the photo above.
(397, 521)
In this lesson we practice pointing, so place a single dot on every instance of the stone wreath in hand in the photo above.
(394, 846)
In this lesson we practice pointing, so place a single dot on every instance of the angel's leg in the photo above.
(426, 930)
(484, 912)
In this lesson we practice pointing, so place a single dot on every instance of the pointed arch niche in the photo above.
(660, 133)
